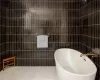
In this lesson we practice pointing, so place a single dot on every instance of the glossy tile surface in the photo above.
(25, 19)
(90, 28)
(2, 33)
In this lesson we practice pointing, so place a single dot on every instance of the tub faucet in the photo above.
(89, 54)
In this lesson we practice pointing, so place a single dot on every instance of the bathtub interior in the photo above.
(71, 61)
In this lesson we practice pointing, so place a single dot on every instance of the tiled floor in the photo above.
(29, 73)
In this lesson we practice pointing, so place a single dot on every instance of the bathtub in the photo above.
(70, 66)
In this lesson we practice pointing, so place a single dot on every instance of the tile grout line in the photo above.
(90, 14)
(34, 58)
(86, 4)
(36, 34)
(90, 36)
(44, 1)
(41, 26)
(3, 52)
(85, 45)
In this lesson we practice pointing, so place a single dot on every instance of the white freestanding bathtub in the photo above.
(70, 66)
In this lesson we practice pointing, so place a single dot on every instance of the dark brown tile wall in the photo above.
(90, 28)
(25, 19)
(69, 23)
(2, 32)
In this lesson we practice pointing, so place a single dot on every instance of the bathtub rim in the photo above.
(75, 73)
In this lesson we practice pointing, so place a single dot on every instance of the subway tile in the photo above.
(32, 54)
(35, 62)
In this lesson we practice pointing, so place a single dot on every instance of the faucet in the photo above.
(88, 54)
